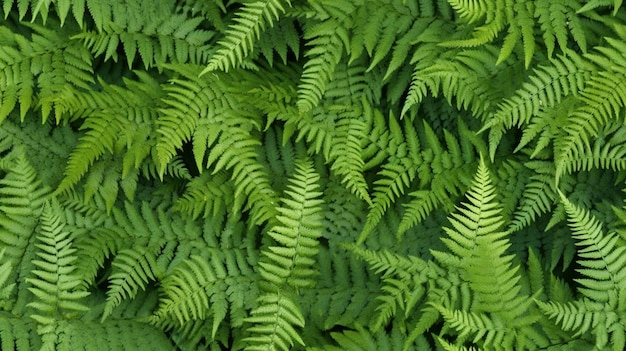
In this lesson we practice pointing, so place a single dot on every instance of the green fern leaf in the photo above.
(19, 333)
(53, 281)
(594, 4)
(239, 41)
(161, 38)
(132, 271)
(274, 322)
(193, 291)
(327, 41)
(538, 197)
(403, 147)
(288, 266)
(547, 88)
(601, 309)
(299, 228)
(604, 265)
(499, 309)
(346, 153)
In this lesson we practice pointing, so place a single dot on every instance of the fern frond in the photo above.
(594, 4)
(288, 266)
(475, 236)
(361, 339)
(601, 155)
(328, 37)
(342, 295)
(208, 111)
(481, 325)
(6, 288)
(22, 197)
(603, 99)
(102, 133)
(472, 10)
(239, 41)
(346, 152)
(327, 41)
(555, 18)
(552, 15)
(198, 288)
(109, 336)
(206, 195)
(280, 39)
(132, 271)
(19, 333)
(601, 309)
(539, 195)
(299, 228)
(402, 282)
(498, 313)
(601, 256)
(36, 71)
(403, 147)
(53, 281)
(459, 74)
(273, 323)
(548, 87)
(446, 171)
(162, 38)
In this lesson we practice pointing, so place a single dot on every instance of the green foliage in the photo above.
(312, 175)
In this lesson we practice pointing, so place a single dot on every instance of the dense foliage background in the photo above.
(319, 175)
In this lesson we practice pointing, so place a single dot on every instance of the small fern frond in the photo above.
(251, 20)
(328, 37)
(478, 324)
(603, 257)
(545, 89)
(459, 74)
(603, 98)
(402, 146)
(192, 102)
(586, 316)
(346, 150)
(555, 18)
(289, 266)
(280, 39)
(601, 155)
(206, 195)
(6, 288)
(552, 15)
(327, 41)
(300, 226)
(196, 289)
(538, 197)
(103, 130)
(402, 282)
(132, 271)
(53, 281)
(21, 200)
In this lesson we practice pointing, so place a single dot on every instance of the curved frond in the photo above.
(601, 256)
(251, 20)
